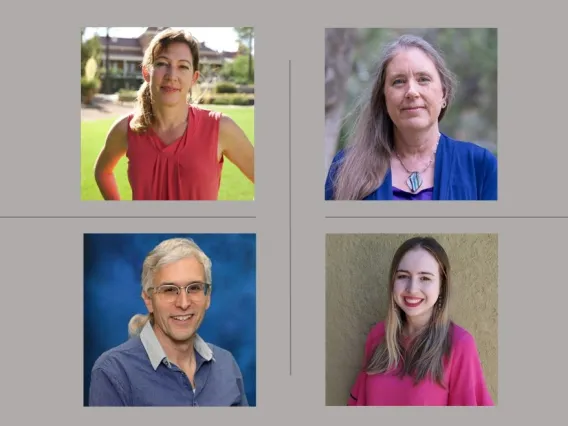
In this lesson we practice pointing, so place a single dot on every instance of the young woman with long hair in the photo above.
(175, 150)
(418, 356)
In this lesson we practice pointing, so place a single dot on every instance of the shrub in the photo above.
(226, 87)
(227, 99)
(89, 88)
(125, 95)
(89, 85)
(246, 88)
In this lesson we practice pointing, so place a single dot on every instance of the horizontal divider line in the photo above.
(255, 217)
(127, 217)
(446, 217)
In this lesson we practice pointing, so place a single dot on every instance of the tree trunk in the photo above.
(107, 63)
(250, 58)
(339, 50)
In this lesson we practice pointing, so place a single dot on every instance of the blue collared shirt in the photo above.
(138, 373)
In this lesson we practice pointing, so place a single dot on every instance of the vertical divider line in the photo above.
(290, 191)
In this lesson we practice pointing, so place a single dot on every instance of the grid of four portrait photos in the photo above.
(170, 318)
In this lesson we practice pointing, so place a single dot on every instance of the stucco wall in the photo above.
(357, 268)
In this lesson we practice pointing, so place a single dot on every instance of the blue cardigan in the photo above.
(463, 171)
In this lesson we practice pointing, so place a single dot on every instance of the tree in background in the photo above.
(246, 37)
(90, 48)
(107, 61)
(339, 50)
(90, 57)
(237, 70)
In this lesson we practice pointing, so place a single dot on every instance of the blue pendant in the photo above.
(414, 181)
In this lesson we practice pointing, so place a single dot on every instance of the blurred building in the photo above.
(126, 54)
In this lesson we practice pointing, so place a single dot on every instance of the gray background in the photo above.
(40, 173)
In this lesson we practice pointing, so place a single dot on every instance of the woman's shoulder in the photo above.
(335, 164)
(461, 337)
(468, 152)
(120, 127)
(123, 121)
(468, 147)
(205, 113)
(377, 331)
(374, 337)
(339, 155)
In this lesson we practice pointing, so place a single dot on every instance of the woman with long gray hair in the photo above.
(418, 356)
(397, 151)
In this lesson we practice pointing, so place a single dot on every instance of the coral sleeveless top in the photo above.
(187, 169)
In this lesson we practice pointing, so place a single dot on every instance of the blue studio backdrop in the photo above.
(112, 287)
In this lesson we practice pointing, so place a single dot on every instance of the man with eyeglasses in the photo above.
(165, 362)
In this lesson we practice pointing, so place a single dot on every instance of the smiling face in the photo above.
(413, 90)
(417, 284)
(171, 75)
(176, 320)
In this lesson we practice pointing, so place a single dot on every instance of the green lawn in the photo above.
(234, 185)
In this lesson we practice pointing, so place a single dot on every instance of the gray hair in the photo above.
(372, 140)
(167, 252)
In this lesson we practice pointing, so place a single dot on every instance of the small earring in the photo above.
(444, 104)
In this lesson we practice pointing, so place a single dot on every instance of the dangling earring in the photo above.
(439, 303)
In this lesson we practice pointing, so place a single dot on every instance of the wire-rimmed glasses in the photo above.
(170, 292)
